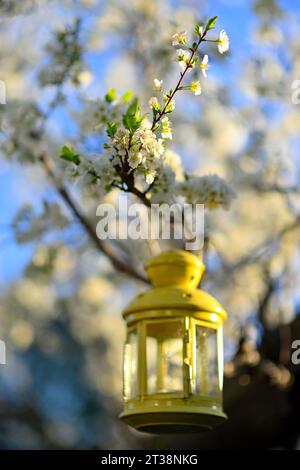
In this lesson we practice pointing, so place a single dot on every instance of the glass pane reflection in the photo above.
(206, 362)
(164, 349)
(130, 366)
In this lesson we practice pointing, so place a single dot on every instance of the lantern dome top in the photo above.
(175, 276)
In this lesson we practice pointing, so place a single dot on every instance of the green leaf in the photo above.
(198, 28)
(111, 95)
(111, 129)
(132, 107)
(69, 154)
(155, 112)
(132, 119)
(211, 23)
(142, 118)
(131, 123)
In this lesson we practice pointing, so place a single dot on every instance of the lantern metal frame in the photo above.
(174, 297)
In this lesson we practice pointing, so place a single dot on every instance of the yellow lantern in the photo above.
(173, 355)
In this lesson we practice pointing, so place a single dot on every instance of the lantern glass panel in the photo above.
(206, 362)
(164, 350)
(130, 366)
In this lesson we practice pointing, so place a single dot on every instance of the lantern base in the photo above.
(179, 421)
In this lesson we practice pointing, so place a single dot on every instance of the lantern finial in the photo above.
(172, 268)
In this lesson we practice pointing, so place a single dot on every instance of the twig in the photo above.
(177, 87)
(262, 247)
(278, 189)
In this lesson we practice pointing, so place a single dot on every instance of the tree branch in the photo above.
(261, 249)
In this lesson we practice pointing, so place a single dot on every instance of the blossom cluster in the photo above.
(187, 58)
(167, 178)
(136, 158)
(210, 190)
(142, 150)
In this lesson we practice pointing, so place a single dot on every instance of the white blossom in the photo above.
(142, 150)
(223, 42)
(149, 176)
(174, 161)
(210, 190)
(154, 103)
(165, 182)
(135, 159)
(204, 65)
(195, 87)
(183, 57)
(166, 131)
(179, 38)
(105, 169)
(157, 84)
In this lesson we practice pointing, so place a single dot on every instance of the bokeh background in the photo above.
(61, 299)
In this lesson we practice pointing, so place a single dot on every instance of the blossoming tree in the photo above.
(135, 159)
(70, 141)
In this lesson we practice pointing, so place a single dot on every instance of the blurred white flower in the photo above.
(154, 103)
(157, 84)
(95, 291)
(22, 334)
(37, 298)
(204, 65)
(85, 77)
(183, 58)
(170, 172)
(210, 190)
(166, 131)
(195, 87)
(150, 177)
(179, 38)
(135, 159)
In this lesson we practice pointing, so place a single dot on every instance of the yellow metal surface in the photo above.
(175, 268)
(176, 297)
(174, 420)
(175, 276)
(209, 317)
(160, 414)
